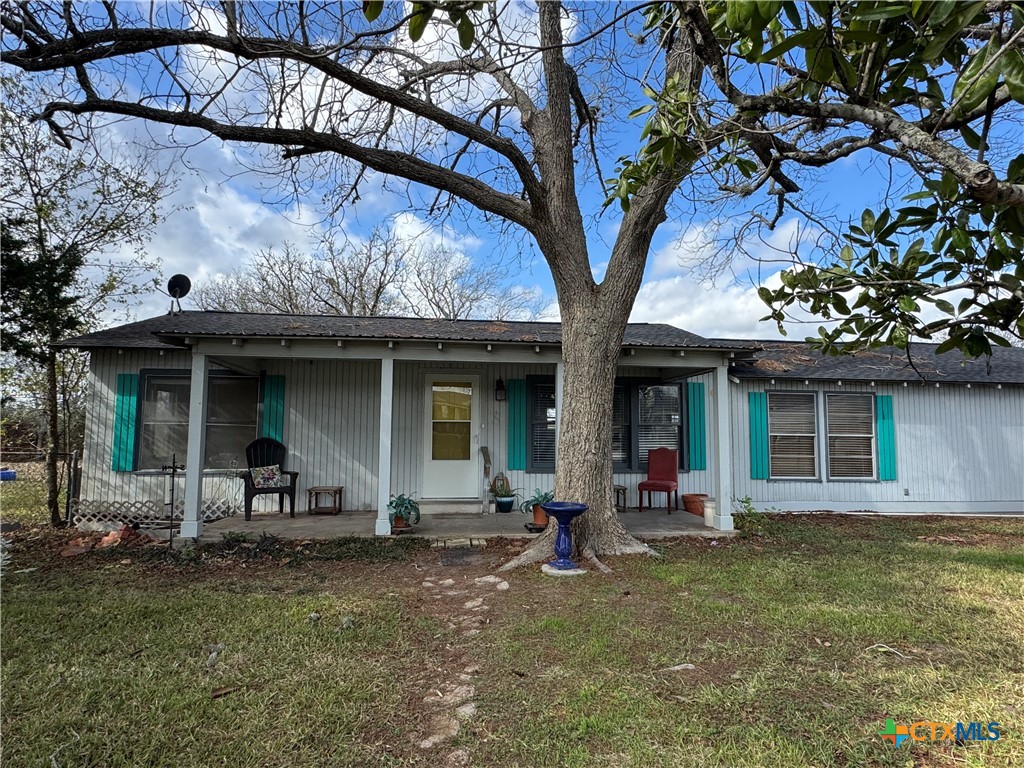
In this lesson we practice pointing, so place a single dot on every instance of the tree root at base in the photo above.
(589, 554)
(542, 549)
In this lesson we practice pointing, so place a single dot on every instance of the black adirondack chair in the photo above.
(265, 452)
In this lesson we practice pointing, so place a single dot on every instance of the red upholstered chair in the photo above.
(662, 477)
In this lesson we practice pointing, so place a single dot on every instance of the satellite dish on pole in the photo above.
(177, 288)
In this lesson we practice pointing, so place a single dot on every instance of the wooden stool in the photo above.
(620, 497)
(313, 495)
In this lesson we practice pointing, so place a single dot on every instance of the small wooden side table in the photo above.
(620, 497)
(316, 507)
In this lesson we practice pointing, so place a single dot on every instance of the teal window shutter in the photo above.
(696, 425)
(886, 437)
(126, 408)
(517, 424)
(759, 464)
(273, 407)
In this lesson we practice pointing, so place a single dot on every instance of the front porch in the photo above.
(439, 423)
(650, 524)
(433, 413)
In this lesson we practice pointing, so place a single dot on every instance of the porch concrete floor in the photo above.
(649, 524)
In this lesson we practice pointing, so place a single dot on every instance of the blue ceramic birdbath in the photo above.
(564, 512)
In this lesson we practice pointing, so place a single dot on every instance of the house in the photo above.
(879, 430)
(435, 407)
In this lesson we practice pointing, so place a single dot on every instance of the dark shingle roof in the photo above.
(138, 335)
(775, 359)
(796, 360)
(173, 328)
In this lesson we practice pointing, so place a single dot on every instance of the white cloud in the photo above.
(707, 249)
(727, 311)
(213, 225)
(694, 245)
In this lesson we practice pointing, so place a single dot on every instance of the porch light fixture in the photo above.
(500, 393)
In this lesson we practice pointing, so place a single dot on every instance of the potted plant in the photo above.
(403, 511)
(533, 504)
(504, 493)
(694, 503)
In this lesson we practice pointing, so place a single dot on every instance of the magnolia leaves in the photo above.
(874, 47)
(982, 74)
(458, 15)
(959, 280)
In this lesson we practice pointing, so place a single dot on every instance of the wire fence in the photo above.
(23, 485)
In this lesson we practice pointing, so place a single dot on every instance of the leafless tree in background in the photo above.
(381, 276)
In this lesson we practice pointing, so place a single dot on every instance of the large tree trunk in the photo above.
(593, 316)
(593, 324)
(52, 442)
(592, 334)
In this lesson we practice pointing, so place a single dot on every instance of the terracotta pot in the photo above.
(400, 522)
(694, 503)
(540, 517)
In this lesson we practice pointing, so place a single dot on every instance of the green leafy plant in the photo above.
(539, 497)
(751, 521)
(405, 507)
(502, 488)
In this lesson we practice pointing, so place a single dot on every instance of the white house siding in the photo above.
(957, 450)
(331, 426)
(331, 429)
(100, 484)
(410, 420)
(407, 451)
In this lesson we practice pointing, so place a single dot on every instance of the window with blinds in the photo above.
(660, 419)
(541, 405)
(644, 416)
(792, 435)
(622, 433)
(850, 420)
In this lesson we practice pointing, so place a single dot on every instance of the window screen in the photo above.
(232, 415)
(660, 419)
(851, 435)
(542, 424)
(164, 421)
(792, 435)
(622, 434)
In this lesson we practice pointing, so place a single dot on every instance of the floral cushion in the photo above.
(266, 477)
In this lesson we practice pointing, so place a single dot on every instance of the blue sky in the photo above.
(223, 214)
(222, 217)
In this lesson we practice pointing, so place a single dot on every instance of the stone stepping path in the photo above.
(452, 702)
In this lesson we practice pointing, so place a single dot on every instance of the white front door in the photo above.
(451, 469)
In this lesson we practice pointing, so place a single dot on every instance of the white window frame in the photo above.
(874, 439)
(814, 411)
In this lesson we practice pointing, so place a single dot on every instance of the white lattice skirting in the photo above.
(128, 512)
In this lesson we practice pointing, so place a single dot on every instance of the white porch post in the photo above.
(559, 386)
(722, 520)
(387, 392)
(192, 522)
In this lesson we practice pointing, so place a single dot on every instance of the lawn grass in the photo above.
(802, 643)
